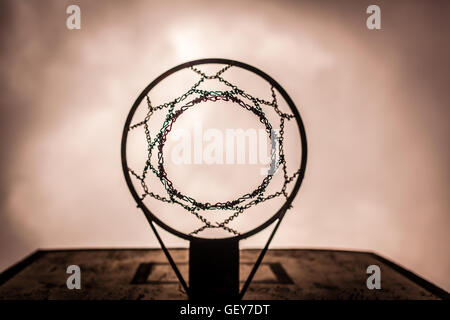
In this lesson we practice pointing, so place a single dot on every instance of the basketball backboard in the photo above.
(135, 274)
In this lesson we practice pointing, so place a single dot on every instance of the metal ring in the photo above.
(149, 215)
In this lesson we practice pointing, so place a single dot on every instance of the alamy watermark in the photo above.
(373, 22)
(73, 22)
(74, 280)
(374, 280)
(225, 147)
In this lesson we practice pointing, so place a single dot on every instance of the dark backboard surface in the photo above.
(134, 274)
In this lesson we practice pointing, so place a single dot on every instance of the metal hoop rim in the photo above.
(149, 215)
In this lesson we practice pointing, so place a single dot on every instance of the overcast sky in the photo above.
(375, 105)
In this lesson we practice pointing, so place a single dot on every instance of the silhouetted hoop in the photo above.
(303, 157)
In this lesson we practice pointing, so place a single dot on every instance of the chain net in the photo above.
(155, 145)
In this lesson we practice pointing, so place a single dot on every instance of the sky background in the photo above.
(374, 103)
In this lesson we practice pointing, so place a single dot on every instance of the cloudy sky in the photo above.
(374, 103)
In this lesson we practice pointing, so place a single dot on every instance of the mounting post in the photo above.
(214, 269)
